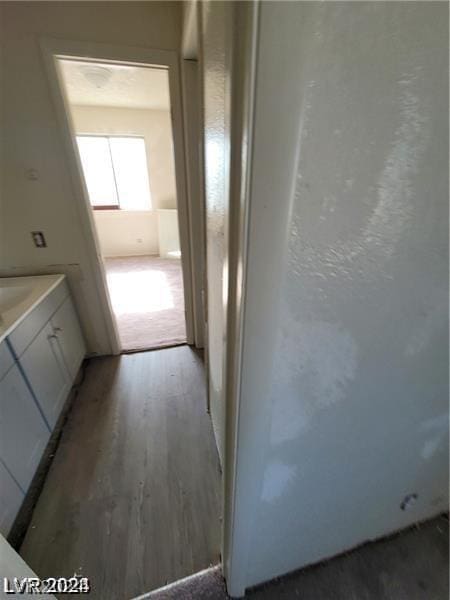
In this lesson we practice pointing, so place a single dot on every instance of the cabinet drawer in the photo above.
(23, 432)
(27, 330)
(11, 497)
(6, 359)
(44, 368)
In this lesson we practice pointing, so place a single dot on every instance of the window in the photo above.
(115, 170)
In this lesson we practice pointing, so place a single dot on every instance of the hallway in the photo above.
(132, 497)
(148, 301)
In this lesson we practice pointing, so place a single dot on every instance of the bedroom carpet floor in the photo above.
(148, 301)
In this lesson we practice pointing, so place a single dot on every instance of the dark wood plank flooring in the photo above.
(132, 498)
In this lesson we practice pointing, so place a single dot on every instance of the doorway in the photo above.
(121, 120)
(102, 54)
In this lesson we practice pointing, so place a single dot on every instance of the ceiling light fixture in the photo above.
(98, 76)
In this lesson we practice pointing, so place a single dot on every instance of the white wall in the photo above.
(344, 390)
(32, 137)
(216, 38)
(127, 232)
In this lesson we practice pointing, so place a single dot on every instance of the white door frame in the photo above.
(54, 49)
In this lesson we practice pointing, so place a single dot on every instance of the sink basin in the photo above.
(19, 295)
(13, 295)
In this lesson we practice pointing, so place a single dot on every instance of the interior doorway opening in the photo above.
(121, 120)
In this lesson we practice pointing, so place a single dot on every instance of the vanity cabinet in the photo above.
(11, 498)
(43, 356)
(50, 348)
(23, 432)
(39, 361)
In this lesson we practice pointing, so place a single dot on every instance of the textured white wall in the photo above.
(344, 398)
(216, 17)
(31, 135)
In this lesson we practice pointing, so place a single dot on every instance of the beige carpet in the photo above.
(148, 301)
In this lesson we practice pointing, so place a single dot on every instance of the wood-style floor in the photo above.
(132, 498)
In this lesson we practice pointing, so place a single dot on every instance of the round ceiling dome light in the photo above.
(98, 76)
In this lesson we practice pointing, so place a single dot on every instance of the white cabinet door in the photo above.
(11, 497)
(44, 367)
(6, 359)
(70, 339)
(23, 432)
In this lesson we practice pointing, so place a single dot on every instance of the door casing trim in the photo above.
(54, 49)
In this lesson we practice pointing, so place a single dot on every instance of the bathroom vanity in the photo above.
(41, 351)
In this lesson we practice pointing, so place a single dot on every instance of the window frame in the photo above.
(107, 136)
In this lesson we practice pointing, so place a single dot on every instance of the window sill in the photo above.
(121, 211)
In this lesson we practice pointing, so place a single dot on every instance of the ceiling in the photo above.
(101, 84)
